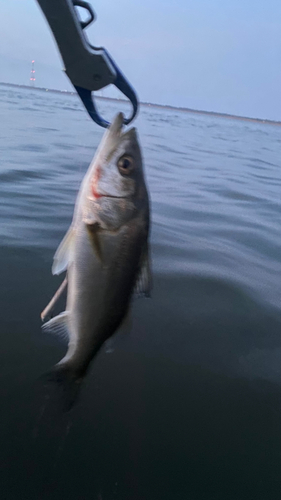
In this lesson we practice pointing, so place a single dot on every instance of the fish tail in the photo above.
(63, 385)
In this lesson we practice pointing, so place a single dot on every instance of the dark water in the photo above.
(187, 406)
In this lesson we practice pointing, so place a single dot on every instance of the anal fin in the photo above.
(58, 326)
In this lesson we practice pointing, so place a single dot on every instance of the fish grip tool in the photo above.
(89, 68)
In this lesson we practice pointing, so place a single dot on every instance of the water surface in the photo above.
(187, 405)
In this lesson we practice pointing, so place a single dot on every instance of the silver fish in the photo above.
(105, 251)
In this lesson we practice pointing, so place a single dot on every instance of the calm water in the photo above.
(187, 406)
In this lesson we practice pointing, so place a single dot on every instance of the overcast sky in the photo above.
(215, 55)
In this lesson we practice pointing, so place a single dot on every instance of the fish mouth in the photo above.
(96, 195)
(94, 192)
(109, 196)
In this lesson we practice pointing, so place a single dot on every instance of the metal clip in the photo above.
(88, 68)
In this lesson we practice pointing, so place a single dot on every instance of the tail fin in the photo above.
(56, 394)
(62, 384)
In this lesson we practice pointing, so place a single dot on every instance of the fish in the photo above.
(105, 252)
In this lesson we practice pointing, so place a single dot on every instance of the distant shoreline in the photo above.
(147, 104)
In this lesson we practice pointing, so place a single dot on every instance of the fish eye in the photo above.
(125, 165)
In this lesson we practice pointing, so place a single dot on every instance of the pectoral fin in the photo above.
(63, 255)
(94, 230)
(144, 282)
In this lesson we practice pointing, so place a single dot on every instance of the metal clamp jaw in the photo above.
(88, 68)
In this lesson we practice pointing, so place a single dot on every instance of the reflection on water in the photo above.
(188, 403)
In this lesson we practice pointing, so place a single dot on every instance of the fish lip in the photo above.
(95, 194)
(99, 195)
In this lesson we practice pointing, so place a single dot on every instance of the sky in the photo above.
(213, 55)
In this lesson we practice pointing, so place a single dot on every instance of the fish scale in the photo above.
(105, 252)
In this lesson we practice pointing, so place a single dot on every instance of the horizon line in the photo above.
(164, 106)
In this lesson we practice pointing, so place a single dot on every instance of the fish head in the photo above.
(115, 185)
